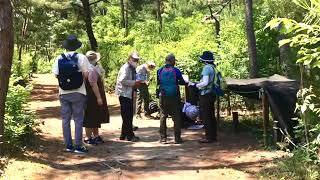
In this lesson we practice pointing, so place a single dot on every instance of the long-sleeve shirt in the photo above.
(143, 73)
(125, 81)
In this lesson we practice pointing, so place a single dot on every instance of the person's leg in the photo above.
(95, 132)
(78, 104)
(127, 118)
(139, 101)
(176, 117)
(66, 112)
(89, 132)
(207, 115)
(146, 101)
(123, 116)
(163, 118)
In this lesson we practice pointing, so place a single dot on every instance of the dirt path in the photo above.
(235, 156)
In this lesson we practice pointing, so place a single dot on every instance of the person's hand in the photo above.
(99, 101)
(137, 84)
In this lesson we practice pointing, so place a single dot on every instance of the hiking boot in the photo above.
(134, 139)
(90, 141)
(99, 140)
(81, 149)
(122, 138)
(69, 148)
(178, 141)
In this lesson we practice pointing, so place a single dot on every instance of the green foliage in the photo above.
(297, 167)
(19, 120)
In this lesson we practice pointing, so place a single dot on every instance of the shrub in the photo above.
(19, 121)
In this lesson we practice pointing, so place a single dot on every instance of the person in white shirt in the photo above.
(71, 69)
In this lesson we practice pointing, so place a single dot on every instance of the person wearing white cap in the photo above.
(96, 112)
(125, 86)
(143, 73)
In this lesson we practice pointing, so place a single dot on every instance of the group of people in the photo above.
(81, 94)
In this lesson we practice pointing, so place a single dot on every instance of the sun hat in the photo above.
(207, 56)
(93, 56)
(151, 63)
(135, 55)
(71, 43)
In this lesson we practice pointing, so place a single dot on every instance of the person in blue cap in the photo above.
(207, 97)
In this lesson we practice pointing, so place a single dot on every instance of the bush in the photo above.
(19, 121)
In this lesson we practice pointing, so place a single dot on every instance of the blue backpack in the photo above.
(168, 82)
(69, 75)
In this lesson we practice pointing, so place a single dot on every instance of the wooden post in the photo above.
(229, 104)
(235, 120)
(265, 109)
(275, 131)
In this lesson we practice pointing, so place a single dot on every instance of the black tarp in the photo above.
(281, 94)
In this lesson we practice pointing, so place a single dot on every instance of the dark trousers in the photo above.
(127, 117)
(207, 115)
(170, 105)
(143, 97)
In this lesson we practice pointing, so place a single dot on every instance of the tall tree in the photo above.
(6, 53)
(123, 23)
(252, 46)
(159, 17)
(88, 22)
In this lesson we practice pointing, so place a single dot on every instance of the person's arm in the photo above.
(84, 64)
(55, 68)
(180, 78)
(204, 82)
(93, 79)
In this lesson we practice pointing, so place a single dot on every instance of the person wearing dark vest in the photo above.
(96, 112)
(125, 87)
(168, 80)
(207, 97)
(71, 69)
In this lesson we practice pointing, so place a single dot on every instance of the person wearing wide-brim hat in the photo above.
(72, 91)
(97, 111)
(207, 97)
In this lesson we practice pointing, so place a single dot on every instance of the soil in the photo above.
(234, 156)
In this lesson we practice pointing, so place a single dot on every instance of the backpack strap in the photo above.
(71, 58)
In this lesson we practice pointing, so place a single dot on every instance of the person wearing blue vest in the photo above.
(168, 80)
(207, 97)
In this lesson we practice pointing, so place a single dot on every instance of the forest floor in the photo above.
(234, 156)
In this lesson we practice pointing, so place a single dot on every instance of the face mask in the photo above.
(134, 64)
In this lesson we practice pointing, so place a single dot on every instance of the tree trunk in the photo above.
(88, 21)
(252, 48)
(6, 53)
(23, 34)
(126, 21)
(123, 21)
(158, 2)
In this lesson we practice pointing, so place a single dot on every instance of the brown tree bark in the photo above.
(158, 3)
(88, 22)
(123, 21)
(126, 21)
(6, 53)
(252, 47)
